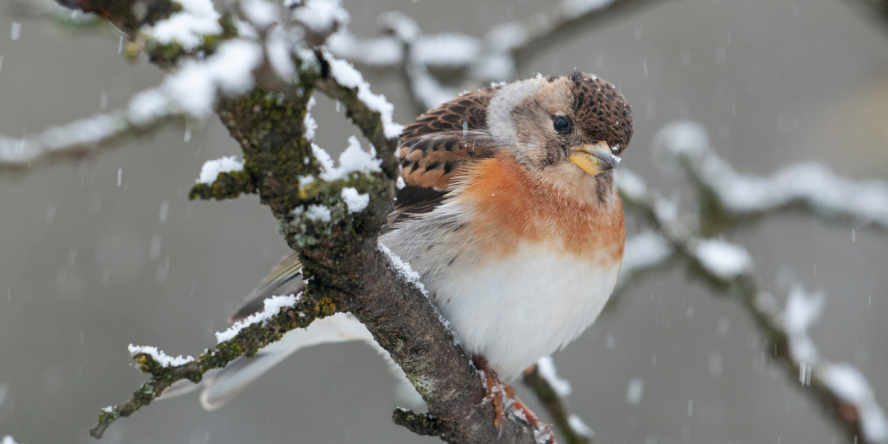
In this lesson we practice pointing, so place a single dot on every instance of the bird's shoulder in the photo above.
(470, 107)
(436, 149)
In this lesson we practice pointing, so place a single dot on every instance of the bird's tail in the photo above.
(222, 385)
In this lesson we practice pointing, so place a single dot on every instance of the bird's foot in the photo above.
(503, 397)
(499, 393)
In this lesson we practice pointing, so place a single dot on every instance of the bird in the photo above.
(508, 210)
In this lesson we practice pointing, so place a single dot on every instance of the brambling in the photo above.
(509, 212)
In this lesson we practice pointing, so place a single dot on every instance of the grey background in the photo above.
(774, 82)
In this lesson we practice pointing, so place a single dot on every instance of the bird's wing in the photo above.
(437, 147)
(470, 107)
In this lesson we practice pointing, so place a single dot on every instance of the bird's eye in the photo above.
(561, 124)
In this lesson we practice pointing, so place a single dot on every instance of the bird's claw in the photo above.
(503, 397)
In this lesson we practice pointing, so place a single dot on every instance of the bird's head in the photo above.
(570, 128)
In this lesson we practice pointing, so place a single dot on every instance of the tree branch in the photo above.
(338, 248)
(247, 342)
(554, 403)
(847, 398)
(728, 196)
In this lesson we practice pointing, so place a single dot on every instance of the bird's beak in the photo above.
(594, 158)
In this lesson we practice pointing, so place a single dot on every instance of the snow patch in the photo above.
(347, 76)
(645, 250)
(634, 391)
(630, 184)
(159, 356)
(277, 47)
(576, 8)
(211, 168)
(446, 50)
(380, 51)
(851, 386)
(547, 370)
(83, 132)
(273, 306)
(309, 122)
(507, 36)
(197, 18)
(800, 313)
(355, 201)
(260, 13)
(403, 268)
(318, 213)
(353, 159)
(320, 16)
(579, 427)
(810, 182)
(722, 258)
(192, 90)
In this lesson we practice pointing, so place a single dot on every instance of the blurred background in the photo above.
(106, 252)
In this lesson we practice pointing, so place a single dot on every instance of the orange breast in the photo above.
(512, 207)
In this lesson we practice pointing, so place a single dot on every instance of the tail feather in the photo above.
(341, 327)
(284, 279)
(222, 385)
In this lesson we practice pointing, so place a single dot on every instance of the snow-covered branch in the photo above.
(551, 390)
(255, 66)
(840, 388)
(808, 185)
(492, 58)
(281, 315)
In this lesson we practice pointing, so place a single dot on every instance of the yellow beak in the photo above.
(594, 158)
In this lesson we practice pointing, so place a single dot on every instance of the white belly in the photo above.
(524, 307)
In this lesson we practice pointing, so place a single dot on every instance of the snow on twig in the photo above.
(723, 259)
(347, 76)
(273, 306)
(190, 92)
(186, 27)
(546, 367)
(355, 201)
(353, 159)
(212, 168)
(193, 90)
(159, 356)
(487, 59)
(839, 387)
(81, 134)
(809, 183)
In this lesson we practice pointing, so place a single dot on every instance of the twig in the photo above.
(554, 404)
(731, 196)
(247, 342)
(74, 141)
(493, 58)
(842, 391)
